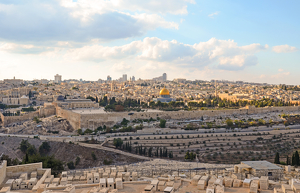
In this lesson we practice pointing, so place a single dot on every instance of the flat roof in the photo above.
(262, 165)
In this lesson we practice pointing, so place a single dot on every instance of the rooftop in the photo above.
(262, 165)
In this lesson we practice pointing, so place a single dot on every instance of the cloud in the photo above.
(121, 67)
(36, 21)
(223, 54)
(182, 20)
(280, 75)
(151, 6)
(213, 14)
(280, 70)
(284, 49)
(25, 49)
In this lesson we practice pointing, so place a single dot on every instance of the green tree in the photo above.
(31, 150)
(24, 145)
(277, 158)
(162, 123)
(288, 162)
(77, 160)
(94, 156)
(71, 165)
(44, 148)
(229, 122)
(297, 158)
(118, 142)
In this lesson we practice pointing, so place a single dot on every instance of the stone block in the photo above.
(64, 181)
(33, 175)
(161, 185)
(96, 178)
(253, 188)
(24, 184)
(210, 189)
(105, 175)
(134, 176)
(246, 183)
(102, 183)
(32, 182)
(16, 185)
(5, 190)
(113, 175)
(228, 182)
(24, 176)
(201, 185)
(195, 180)
(110, 183)
(264, 182)
(286, 187)
(237, 183)
(119, 183)
(219, 189)
(90, 178)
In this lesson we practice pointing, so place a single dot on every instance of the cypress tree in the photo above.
(26, 159)
(293, 159)
(277, 159)
(297, 158)
(288, 162)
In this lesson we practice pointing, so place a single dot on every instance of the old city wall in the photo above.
(47, 111)
(15, 171)
(1, 119)
(3, 167)
(73, 118)
(6, 120)
(94, 120)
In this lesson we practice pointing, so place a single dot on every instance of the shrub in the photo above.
(71, 165)
(94, 156)
(77, 160)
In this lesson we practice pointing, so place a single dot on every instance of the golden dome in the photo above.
(164, 91)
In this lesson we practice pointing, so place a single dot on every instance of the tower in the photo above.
(164, 77)
(57, 78)
(124, 77)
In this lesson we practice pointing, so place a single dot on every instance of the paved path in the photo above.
(97, 146)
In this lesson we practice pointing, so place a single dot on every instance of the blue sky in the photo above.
(255, 41)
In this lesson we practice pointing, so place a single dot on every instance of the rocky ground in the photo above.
(52, 125)
(65, 152)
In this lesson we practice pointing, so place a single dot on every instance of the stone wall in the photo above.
(92, 121)
(15, 171)
(6, 120)
(3, 171)
(73, 118)
(47, 110)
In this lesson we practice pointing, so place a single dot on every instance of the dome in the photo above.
(164, 91)
(60, 98)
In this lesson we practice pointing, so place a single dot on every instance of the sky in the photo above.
(253, 41)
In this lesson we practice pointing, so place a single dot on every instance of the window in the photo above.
(269, 173)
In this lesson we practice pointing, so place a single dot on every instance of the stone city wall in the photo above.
(3, 167)
(73, 118)
(6, 120)
(15, 171)
(47, 111)
(93, 121)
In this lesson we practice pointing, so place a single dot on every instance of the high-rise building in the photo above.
(124, 77)
(132, 78)
(57, 78)
(108, 78)
(164, 77)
